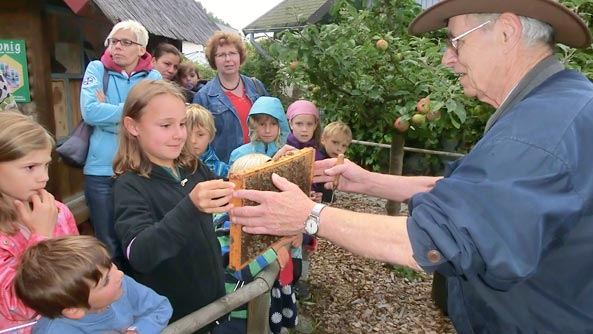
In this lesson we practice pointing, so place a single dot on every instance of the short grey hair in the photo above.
(133, 26)
(534, 31)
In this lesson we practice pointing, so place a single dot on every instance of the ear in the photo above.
(131, 126)
(142, 51)
(74, 313)
(511, 30)
(153, 61)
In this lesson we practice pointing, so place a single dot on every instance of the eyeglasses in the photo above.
(230, 54)
(123, 42)
(454, 42)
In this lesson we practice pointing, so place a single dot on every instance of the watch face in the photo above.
(311, 226)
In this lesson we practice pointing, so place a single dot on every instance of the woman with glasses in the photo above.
(104, 89)
(229, 95)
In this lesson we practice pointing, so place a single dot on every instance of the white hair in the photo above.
(133, 26)
(534, 31)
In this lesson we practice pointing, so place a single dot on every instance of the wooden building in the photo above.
(61, 37)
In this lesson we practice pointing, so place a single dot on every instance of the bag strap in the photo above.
(257, 87)
(105, 79)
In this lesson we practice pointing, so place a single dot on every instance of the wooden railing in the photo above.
(255, 293)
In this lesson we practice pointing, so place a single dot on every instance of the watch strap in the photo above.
(317, 208)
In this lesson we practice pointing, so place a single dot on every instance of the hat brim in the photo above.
(568, 27)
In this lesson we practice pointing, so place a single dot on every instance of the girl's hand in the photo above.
(316, 196)
(212, 196)
(40, 214)
(282, 151)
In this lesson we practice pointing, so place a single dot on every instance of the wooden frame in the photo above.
(297, 167)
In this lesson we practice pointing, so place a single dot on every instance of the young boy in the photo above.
(189, 79)
(283, 308)
(75, 287)
(201, 131)
(335, 139)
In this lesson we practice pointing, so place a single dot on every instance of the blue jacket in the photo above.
(106, 117)
(511, 225)
(210, 159)
(269, 106)
(138, 307)
(229, 133)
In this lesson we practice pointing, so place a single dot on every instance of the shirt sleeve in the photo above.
(495, 215)
(94, 112)
(151, 310)
(11, 249)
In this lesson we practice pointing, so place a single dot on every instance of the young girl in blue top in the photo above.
(268, 130)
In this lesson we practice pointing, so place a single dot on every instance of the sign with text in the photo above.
(13, 65)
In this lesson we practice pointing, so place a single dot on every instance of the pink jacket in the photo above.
(12, 311)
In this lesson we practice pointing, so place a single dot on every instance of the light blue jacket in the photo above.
(139, 307)
(269, 106)
(105, 117)
(229, 132)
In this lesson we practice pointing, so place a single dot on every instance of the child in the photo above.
(73, 284)
(201, 131)
(189, 78)
(335, 139)
(303, 118)
(28, 213)
(164, 200)
(283, 311)
(268, 130)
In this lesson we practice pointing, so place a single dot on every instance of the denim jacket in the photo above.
(229, 133)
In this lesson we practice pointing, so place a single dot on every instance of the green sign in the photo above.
(13, 65)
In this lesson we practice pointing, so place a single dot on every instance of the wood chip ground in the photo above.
(351, 294)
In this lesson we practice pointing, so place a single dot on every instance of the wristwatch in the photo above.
(312, 222)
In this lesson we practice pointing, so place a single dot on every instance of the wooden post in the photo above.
(396, 161)
(258, 315)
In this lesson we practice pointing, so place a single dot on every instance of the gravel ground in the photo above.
(351, 294)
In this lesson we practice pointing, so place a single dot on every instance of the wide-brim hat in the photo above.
(568, 27)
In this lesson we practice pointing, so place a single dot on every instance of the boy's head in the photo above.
(336, 138)
(200, 128)
(68, 276)
(267, 121)
(248, 161)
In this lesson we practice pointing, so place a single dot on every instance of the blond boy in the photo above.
(200, 133)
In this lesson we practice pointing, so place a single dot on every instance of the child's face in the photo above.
(189, 79)
(107, 291)
(24, 177)
(267, 128)
(199, 140)
(336, 144)
(161, 130)
(303, 127)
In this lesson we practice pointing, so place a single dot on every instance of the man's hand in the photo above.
(278, 213)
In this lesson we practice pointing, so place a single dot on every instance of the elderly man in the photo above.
(511, 223)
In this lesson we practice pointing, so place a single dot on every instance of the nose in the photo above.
(449, 58)
(181, 132)
(43, 176)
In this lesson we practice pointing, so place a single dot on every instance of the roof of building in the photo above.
(177, 19)
(290, 14)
